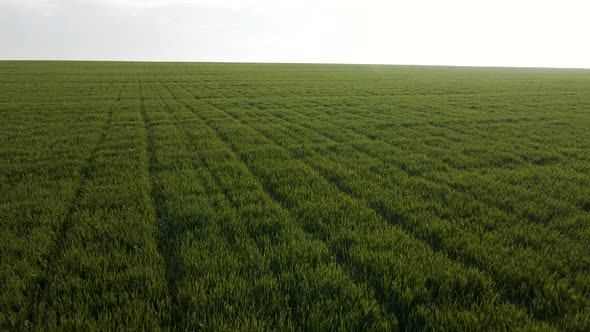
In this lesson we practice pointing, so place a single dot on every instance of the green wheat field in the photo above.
(209, 196)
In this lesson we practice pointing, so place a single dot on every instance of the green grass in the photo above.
(179, 196)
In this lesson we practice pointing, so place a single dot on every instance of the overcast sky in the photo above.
(452, 32)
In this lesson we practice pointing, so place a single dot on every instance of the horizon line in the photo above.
(301, 63)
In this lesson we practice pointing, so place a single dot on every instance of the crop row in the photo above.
(235, 258)
(550, 283)
(416, 284)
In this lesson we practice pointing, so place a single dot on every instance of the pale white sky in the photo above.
(431, 32)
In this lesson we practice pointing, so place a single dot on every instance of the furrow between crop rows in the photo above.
(46, 235)
(166, 248)
(109, 256)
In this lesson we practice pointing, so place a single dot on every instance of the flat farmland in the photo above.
(210, 196)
